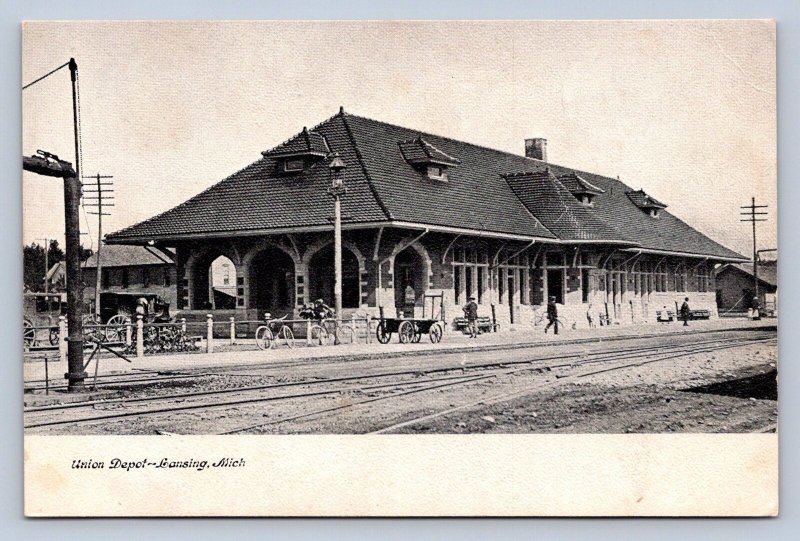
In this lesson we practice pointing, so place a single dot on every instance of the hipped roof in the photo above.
(483, 193)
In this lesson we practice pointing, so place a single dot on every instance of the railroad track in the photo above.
(411, 371)
(156, 376)
(506, 396)
(416, 383)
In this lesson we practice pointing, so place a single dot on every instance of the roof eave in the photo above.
(689, 254)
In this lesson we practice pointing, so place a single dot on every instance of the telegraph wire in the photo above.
(46, 75)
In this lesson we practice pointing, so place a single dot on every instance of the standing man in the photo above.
(552, 315)
(756, 309)
(471, 313)
(685, 312)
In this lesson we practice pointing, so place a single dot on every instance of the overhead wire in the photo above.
(45, 76)
(79, 157)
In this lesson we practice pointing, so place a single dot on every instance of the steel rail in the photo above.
(465, 379)
(494, 374)
(413, 371)
(534, 388)
(249, 401)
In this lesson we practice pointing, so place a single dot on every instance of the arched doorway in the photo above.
(409, 281)
(321, 277)
(271, 282)
(213, 283)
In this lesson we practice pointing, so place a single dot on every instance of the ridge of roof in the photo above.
(364, 168)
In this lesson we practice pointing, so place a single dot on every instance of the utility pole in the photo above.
(46, 261)
(50, 165)
(752, 213)
(72, 197)
(98, 198)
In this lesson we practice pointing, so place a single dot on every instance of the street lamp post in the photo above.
(336, 190)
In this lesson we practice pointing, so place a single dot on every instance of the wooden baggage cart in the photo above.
(409, 331)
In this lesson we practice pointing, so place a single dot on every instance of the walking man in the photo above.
(756, 309)
(471, 313)
(552, 315)
(685, 312)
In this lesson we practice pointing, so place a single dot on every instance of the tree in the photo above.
(33, 263)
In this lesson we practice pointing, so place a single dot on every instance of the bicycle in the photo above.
(324, 331)
(540, 319)
(272, 331)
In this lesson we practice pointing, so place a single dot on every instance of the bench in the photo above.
(701, 314)
(484, 324)
(665, 316)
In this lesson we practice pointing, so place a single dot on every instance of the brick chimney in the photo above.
(536, 148)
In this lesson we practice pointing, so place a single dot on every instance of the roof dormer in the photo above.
(299, 152)
(645, 202)
(427, 159)
(583, 190)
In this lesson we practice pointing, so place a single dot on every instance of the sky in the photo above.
(685, 110)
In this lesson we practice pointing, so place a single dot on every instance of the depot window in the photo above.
(293, 165)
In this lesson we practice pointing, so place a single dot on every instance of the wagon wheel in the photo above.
(406, 332)
(28, 333)
(115, 328)
(435, 333)
(382, 334)
(91, 326)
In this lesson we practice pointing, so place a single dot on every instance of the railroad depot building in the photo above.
(428, 222)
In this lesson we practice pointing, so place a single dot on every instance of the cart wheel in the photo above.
(406, 332)
(288, 337)
(115, 328)
(382, 334)
(28, 333)
(435, 333)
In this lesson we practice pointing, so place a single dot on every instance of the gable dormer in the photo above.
(583, 190)
(645, 202)
(427, 159)
(300, 152)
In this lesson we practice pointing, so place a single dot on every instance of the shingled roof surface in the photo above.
(644, 201)
(384, 187)
(306, 142)
(578, 185)
(543, 194)
(128, 256)
(419, 151)
(767, 273)
(258, 198)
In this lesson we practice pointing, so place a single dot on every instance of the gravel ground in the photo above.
(725, 391)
